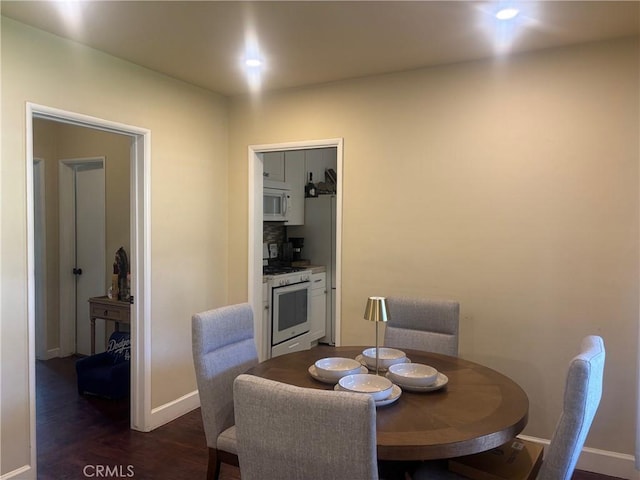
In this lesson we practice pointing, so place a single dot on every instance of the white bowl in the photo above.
(334, 368)
(386, 357)
(378, 387)
(413, 374)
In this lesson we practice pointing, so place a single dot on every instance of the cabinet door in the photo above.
(318, 306)
(318, 160)
(274, 165)
(294, 176)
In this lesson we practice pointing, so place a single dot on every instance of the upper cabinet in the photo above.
(318, 160)
(294, 175)
(294, 167)
(274, 166)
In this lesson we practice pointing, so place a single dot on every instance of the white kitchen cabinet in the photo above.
(294, 168)
(289, 167)
(318, 313)
(317, 160)
(274, 166)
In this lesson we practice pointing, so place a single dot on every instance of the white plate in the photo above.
(396, 391)
(439, 383)
(314, 373)
(361, 359)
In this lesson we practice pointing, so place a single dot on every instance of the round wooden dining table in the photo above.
(477, 410)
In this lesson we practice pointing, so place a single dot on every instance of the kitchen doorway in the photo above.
(256, 183)
(139, 186)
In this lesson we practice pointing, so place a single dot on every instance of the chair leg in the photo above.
(213, 468)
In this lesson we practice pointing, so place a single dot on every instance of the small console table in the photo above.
(110, 310)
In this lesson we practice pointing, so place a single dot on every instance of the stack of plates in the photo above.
(386, 358)
(416, 377)
(381, 389)
(332, 369)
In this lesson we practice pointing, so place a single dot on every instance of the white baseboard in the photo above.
(48, 355)
(174, 409)
(23, 472)
(614, 464)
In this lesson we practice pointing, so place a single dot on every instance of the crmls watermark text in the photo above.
(108, 471)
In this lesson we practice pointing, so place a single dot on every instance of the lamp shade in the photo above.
(376, 309)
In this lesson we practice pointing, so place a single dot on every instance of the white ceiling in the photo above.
(307, 42)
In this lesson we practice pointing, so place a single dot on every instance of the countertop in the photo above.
(313, 268)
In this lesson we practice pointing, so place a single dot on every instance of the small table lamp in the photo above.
(376, 311)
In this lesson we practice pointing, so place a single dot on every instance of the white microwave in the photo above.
(276, 201)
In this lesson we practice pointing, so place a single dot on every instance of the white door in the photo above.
(83, 259)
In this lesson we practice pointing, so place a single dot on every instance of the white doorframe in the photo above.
(140, 264)
(254, 263)
(40, 258)
(67, 251)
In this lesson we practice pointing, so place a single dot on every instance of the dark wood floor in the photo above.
(76, 435)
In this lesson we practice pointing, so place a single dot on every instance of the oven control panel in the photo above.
(278, 279)
(290, 279)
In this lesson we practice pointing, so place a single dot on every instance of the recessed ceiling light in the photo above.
(507, 13)
(253, 62)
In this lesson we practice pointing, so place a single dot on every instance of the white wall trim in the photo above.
(176, 408)
(140, 265)
(605, 462)
(141, 280)
(52, 353)
(254, 263)
(31, 294)
(18, 473)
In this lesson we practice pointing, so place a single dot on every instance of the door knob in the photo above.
(77, 271)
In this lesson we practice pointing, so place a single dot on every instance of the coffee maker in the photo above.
(297, 243)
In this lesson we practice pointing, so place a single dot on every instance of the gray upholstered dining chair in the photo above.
(583, 390)
(292, 433)
(223, 347)
(422, 324)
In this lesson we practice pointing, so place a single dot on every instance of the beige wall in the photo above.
(189, 134)
(510, 186)
(53, 142)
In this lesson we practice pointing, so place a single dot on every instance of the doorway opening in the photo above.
(255, 255)
(139, 228)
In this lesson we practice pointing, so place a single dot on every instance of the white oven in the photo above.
(289, 299)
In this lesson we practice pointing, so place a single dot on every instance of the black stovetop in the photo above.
(280, 269)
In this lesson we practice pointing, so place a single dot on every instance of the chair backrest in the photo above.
(291, 432)
(422, 324)
(119, 347)
(583, 390)
(223, 347)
